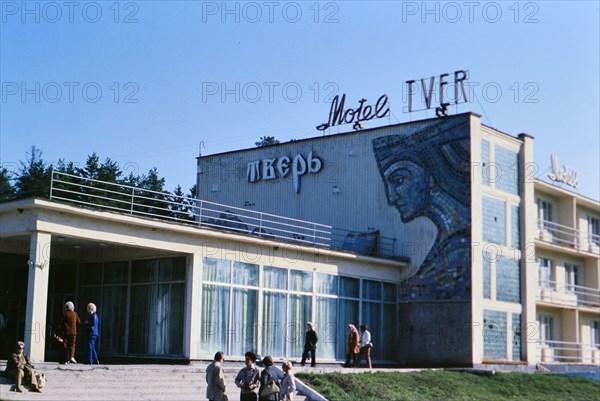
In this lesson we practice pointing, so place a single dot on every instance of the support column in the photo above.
(37, 295)
(529, 276)
(194, 292)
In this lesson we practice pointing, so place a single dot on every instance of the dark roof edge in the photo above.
(344, 133)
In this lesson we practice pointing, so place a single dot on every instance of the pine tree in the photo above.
(152, 202)
(266, 141)
(7, 191)
(34, 176)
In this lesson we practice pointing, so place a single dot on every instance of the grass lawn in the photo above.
(451, 385)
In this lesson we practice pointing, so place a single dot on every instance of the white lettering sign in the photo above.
(562, 175)
(271, 169)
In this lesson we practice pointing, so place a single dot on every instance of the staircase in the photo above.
(78, 382)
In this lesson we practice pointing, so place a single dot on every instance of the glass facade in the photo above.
(247, 307)
(141, 305)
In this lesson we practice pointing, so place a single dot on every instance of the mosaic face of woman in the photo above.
(407, 188)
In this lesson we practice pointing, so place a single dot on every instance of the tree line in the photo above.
(32, 179)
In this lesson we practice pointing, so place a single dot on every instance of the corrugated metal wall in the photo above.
(348, 192)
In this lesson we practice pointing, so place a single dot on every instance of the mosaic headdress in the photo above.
(442, 149)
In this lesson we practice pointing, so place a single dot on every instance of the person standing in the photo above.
(353, 346)
(288, 383)
(247, 379)
(216, 390)
(310, 345)
(18, 367)
(365, 345)
(92, 326)
(69, 324)
(268, 378)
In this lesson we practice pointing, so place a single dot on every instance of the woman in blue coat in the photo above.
(92, 326)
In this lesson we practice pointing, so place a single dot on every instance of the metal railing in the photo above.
(568, 294)
(166, 206)
(554, 233)
(568, 352)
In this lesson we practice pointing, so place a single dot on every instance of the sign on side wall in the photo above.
(280, 167)
(562, 174)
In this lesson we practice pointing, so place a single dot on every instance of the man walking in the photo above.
(310, 345)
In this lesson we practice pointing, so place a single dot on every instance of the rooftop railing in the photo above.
(137, 201)
(568, 295)
(558, 234)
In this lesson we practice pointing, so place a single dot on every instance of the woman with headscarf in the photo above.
(269, 382)
(353, 346)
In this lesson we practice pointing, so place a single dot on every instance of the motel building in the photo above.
(432, 232)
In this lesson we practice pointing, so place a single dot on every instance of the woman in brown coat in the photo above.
(353, 346)
(68, 325)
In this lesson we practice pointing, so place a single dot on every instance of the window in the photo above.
(594, 230)
(546, 330)
(571, 277)
(595, 334)
(545, 270)
(544, 211)
(265, 308)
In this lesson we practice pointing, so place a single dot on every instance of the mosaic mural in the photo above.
(427, 173)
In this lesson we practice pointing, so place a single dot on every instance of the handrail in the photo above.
(567, 294)
(568, 352)
(145, 202)
(121, 197)
(554, 233)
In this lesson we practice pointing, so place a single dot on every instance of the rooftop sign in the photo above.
(562, 174)
(460, 77)
(339, 116)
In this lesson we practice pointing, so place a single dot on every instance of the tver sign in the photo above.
(459, 80)
(271, 169)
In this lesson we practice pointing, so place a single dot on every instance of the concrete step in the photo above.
(79, 382)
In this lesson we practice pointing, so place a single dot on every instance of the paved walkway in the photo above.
(78, 382)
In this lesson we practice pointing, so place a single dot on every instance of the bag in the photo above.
(271, 388)
(41, 379)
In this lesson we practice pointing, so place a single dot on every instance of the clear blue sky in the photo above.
(162, 69)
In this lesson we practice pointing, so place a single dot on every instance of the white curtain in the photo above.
(216, 270)
(326, 325)
(245, 274)
(272, 333)
(274, 277)
(244, 321)
(214, 323)
(299, 314)
(169, 319)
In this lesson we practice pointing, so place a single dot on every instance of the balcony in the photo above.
(126, 199)
(568, 295)
(558, 234)
(568, 352)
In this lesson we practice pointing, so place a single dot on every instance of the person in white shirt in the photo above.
(288, 383)
(365, 345)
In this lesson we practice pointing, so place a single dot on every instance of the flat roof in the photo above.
(350, 133)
